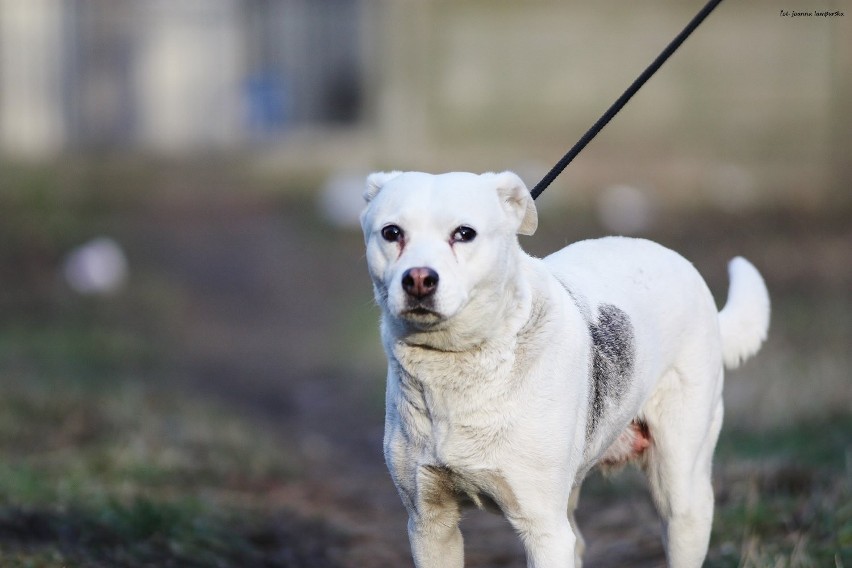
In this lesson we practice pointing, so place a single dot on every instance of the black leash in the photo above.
(622, 100)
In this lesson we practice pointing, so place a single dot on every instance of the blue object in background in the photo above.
(268, 102)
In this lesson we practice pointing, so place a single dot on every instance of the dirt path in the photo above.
(264, 286)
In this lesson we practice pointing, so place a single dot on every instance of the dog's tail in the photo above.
(744, 321)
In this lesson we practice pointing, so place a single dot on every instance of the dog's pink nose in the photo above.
(420, 282)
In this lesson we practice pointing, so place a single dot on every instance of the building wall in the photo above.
(753, 102)
(187, 75)
(173, 76)
(31, 103)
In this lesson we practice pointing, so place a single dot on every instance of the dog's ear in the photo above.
(517, 201)
(375, 182)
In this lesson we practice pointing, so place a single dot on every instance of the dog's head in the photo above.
(437, 244)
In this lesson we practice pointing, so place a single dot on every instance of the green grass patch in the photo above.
(814, 444)
(68, 444)
(784, 497)
(101, 465)
(134, 475)
(105, 459)
(145, 532)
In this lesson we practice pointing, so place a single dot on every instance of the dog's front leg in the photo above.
(538, 510)
(435, 544)
(433, 524)
(549, 543)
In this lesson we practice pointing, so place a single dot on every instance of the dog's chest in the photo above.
(457, 405)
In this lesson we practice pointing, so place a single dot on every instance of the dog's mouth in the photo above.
(421, 314)
(420, 310)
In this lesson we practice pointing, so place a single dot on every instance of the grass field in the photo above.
(143, 428)
(105, 466)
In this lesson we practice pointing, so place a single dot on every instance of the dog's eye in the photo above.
(463, 234)
(392, 233)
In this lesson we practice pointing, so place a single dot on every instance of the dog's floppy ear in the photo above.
(517, 201)
(375, 182)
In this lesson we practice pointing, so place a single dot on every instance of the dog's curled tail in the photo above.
(744, 321)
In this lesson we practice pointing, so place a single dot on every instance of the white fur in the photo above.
(518, 375)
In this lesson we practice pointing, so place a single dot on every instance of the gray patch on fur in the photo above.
(613, 357)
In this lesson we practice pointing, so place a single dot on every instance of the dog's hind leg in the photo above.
(580, 544)
(684, 423)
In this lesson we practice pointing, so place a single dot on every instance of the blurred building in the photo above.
(753, 100)
(173, 75)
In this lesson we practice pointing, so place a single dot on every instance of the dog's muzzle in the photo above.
(420, 285)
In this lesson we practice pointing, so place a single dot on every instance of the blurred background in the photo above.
(190, 371)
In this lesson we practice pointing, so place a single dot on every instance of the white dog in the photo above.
(510, 377)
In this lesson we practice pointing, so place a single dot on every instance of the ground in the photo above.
(225, 407)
